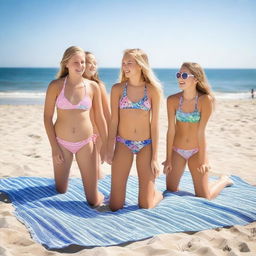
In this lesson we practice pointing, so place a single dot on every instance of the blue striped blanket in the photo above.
(59, 220)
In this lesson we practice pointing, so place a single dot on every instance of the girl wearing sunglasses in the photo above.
(188, 114)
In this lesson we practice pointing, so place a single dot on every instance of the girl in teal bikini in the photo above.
(188, 114)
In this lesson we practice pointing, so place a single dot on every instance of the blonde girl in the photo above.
(72, 133)
(91, 73)
(134, 130)
(188, 114)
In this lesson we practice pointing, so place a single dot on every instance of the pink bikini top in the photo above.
(63, 103)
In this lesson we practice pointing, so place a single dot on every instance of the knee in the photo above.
(61, 190)
(204, 195)
(115, 207)
(93, 203)
(172, 188)
(146, 205)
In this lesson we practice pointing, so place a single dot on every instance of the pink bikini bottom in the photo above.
(186, 153)
(74, 147)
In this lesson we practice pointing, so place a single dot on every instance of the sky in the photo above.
(214, 33)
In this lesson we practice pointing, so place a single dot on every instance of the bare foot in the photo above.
(158, 197)
(100, 174)
(227, 179)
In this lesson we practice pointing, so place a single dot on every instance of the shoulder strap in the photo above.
(196, 103)
(180, 102)
(125, 90)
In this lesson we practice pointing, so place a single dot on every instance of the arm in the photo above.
(205, 115)
(115, 94)
(99, 117)
(105, 103)
(170, 134)
(154, 130)
(49, 106)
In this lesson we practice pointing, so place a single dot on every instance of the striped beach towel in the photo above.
(60, 220)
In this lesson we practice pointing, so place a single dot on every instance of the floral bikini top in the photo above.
(63, 103)
(188, 117)
(126, 103)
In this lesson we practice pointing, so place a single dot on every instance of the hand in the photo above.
(57, 156)
(109, 157)
(103, 156)
(203, 168)
(155, 168)
(167, 167)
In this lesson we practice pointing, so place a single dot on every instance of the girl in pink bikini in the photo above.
(134, 129)
(188, 114)
(91, 73)
(72, 133)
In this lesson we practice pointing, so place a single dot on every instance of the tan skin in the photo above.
(187, 136)
(133, 124)
(91, 69)
(75, 125)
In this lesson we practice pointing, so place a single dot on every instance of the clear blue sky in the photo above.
(215, 33)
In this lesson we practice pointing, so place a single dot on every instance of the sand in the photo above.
(231, 137)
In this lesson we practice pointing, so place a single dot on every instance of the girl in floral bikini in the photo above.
(134, 130)
(188, 114)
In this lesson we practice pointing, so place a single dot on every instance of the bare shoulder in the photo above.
(118, 87)
(152, 90)
(56, 85)
(101, 84)
(205, 99)
(174, 98)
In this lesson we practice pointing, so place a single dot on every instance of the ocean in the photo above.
(28, 85)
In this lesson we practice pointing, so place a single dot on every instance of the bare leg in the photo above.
(201, 182)
(178, 167)
(120, 170)
(87, 161)
(149, 196)
(98, 147)
(61, 171)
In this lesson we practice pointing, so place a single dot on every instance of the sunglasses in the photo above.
(183, 75)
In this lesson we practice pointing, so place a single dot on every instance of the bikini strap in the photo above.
(196, 102)
(64, 85)
(180, 102)
(125, 89)
(145, 91)
(84, 87)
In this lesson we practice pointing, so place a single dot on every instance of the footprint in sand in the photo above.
(243, 247)
(3, 224)
(34, 136)
(2, 251)
(34, 155)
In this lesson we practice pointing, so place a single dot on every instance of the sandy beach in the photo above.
(231, 137)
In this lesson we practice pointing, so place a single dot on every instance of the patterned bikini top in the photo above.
(126, 103)
(188, 117)
(63, 103)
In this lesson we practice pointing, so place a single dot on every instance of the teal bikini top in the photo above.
(191, 117)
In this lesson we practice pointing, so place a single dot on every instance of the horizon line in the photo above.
(151, 67)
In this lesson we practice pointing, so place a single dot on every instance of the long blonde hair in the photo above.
(95, 77)
(146, 72)
(69, 53)
(202, 85)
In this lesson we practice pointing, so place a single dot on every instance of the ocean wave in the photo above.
(29, 96)
(232, 96)
(26, 95)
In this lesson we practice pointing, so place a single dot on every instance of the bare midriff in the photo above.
(134, 124)
(186, 135)
(73, 125)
